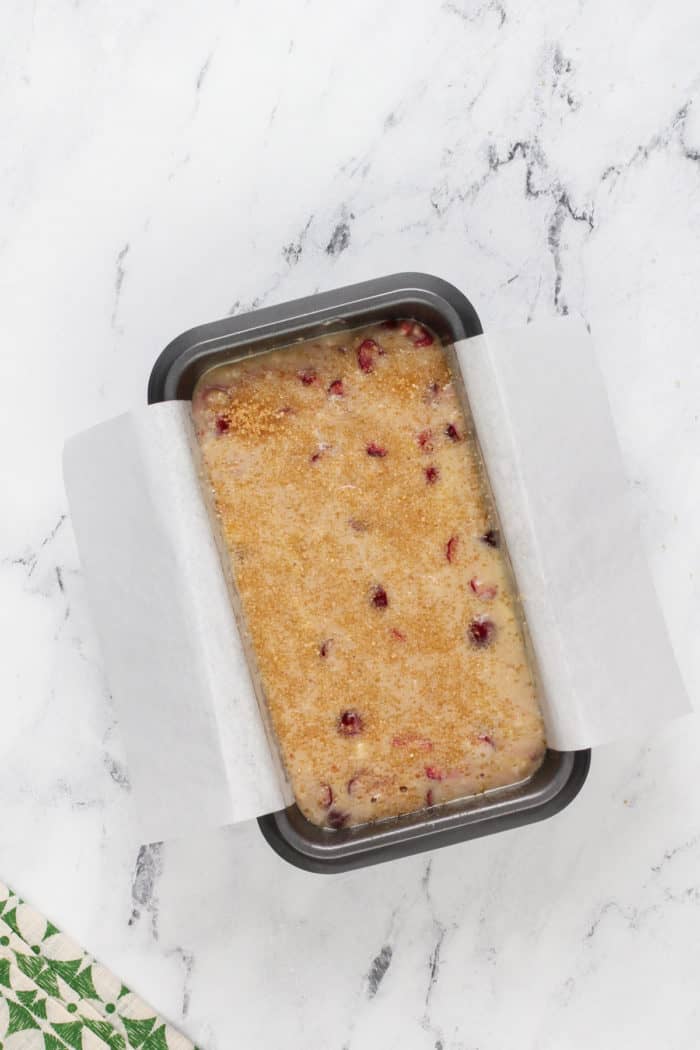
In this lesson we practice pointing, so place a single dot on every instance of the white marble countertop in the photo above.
(165, 165)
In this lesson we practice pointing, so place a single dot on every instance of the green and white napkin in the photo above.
(54, 996)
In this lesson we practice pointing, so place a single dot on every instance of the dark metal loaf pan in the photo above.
(450, 314)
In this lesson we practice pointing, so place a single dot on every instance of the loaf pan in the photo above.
(449, 313)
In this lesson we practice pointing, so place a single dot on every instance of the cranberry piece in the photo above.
(222, 425)
(308, 376)
(379, 597)
(325, 796)
(325, 647)
(396, 633)
(373, 449)
(483, 590)
(481, 632)
(337, 819)
(391, 323)
(357, 525)
(451, 548)
(434, 774)
(354, 783)
(336, 388)
(491, 538)
(431, 474)
(406, 327)
(350, 723)
(365, 354)
(452, 432)
(425, 440)
(484, 738)
(421, 336)
(429, 797)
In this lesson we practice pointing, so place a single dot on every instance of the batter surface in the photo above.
(352, 506)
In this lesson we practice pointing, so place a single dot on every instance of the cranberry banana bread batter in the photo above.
(387, 636)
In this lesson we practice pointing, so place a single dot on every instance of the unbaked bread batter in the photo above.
(361, 541)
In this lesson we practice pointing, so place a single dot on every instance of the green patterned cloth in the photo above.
(54, 996)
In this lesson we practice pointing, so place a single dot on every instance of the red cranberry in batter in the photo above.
(350, 723)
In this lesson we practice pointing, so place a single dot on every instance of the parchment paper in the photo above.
(198, 750)
(196, 744)
(546, 431)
